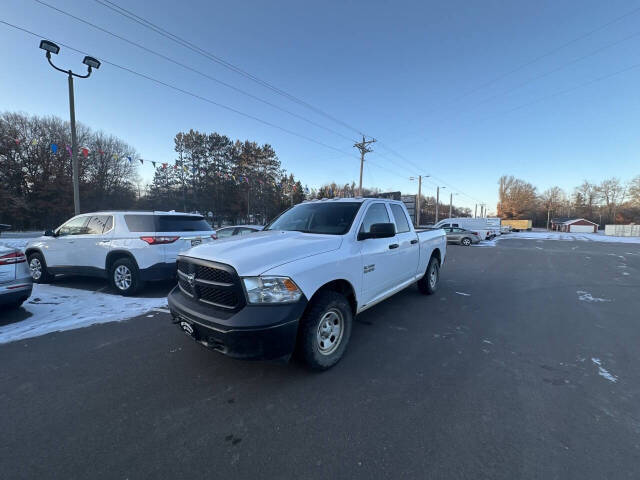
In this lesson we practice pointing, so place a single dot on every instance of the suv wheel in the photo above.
(325, 330)
(428, 284)
(125, 277)
(465, 241)
(38, 268)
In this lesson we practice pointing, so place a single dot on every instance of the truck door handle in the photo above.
(414, 241)
(393, 245)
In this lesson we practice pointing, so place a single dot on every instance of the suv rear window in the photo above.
(182, 223)
(140, 223)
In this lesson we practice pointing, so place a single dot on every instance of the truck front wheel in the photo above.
(428, 284)
(325, 329)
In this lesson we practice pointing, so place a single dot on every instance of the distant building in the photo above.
(573, 225)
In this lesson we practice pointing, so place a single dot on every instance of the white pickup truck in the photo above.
(298, 284)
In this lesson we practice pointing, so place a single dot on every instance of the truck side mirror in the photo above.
(379, 230)
(49, 233)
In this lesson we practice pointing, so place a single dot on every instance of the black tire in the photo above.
(326, 308)
(124, 277)
(17, 304)
(466, 241)
(38, 268)
(428, 284)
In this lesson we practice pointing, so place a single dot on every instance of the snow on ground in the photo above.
(54, 308)
(15, 242)
(570, 237)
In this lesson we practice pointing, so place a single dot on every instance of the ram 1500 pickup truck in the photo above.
(298, 284)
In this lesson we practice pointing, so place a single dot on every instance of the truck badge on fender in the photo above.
(191, 279)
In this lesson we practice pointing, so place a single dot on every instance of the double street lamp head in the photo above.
(50, 47)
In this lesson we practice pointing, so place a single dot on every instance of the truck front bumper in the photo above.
(256, 332)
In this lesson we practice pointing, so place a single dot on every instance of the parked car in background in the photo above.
(234, 230)
(300, 282)
(15, 280)
(461, 236)
(127, 248)
(478, 225)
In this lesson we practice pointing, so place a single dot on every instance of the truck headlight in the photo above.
(271, 290)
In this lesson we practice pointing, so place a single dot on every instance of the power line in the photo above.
(536, 59)
(548, 53)
(191, 69)
(187, 92)
(176, 62)
(185, 43)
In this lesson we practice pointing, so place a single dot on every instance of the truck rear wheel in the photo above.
(325, 329)
(428, 284)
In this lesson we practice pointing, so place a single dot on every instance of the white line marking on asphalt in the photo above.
(488, 341)
(464, 294)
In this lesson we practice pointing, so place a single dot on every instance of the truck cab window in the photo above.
(377, 213)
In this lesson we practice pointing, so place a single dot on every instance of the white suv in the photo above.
(128, 248)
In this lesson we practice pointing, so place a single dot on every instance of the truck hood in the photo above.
(258, 252)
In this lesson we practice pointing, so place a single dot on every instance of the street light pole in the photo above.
(74, 147)
(91, 63)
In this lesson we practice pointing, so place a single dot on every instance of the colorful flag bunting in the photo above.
(129, 158)
(142, 162)
(54, 148)
(69, 150)
(164, 165)
(34, 141)
(152, 163)
(85, 152)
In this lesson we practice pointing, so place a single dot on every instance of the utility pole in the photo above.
(362, 146)
(437, 202)
(419, 196)
(450, 204)
(475, 215)
(418, 201)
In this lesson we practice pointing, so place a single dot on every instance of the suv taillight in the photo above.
(474, 233)
(159, 240)
(11, 258)
(214, 236)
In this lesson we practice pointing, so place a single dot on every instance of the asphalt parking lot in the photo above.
(523, 365)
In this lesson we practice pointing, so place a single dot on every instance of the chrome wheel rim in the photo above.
(433, 276)
(466, 242)
(330, 331)
(35, 267)
(122, 277)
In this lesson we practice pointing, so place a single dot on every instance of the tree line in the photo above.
(611, 201)
(228, 181)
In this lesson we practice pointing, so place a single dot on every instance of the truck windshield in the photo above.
(324, 218)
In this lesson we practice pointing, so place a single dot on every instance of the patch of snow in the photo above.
(464, 294)
(565, 236)
(18, 242)
(625, 273)
(55, 309)
(603, 372)
(587, 297)
(488, 341)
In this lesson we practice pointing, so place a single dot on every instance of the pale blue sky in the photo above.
(415, 75)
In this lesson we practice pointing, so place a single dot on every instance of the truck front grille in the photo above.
(213, 283)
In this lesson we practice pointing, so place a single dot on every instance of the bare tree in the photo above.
(612, 193)
(551, 198)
